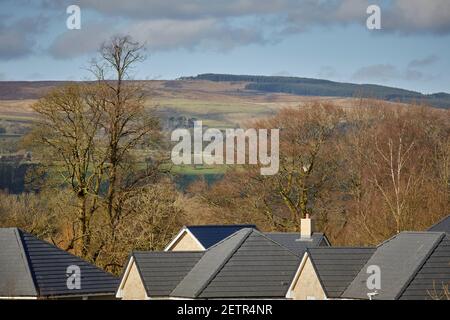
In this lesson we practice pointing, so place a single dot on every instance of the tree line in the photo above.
(364, 173)
(326, 88)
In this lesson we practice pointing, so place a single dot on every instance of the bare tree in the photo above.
(365, 173)
(68, 135)
(279, 202)
(128, 127)
(398, 190)
(103, 143)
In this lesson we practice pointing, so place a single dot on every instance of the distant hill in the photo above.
(243, 86)
(326, 88)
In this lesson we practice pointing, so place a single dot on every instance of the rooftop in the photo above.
(30, 267)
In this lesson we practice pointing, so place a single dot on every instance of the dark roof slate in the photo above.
(162, 271)
(247, 264)
(15, 275)
(209, 235)
(399, 258)
(336, 267)
(208, 266)
(433, 276)
(442, 225)
(48, 268)
(258, 268)
(292, 241)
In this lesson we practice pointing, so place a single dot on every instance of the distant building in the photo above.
(16, 157)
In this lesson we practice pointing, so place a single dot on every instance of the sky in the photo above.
(326, 39)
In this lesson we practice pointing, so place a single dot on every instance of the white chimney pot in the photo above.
(306, 228)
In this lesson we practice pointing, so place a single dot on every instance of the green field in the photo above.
(197, 169)
(214, 114)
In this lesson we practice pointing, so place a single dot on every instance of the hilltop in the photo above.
(327, 88)
(220, 100)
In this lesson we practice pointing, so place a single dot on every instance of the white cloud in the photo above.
(170, 34)
(419, 16)
(388, 72)
(214, 25)
(88, 39)
(406, 16)
(17, 38)
(420, 63)
(157, 35)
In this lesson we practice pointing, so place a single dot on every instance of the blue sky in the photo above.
(309, 38)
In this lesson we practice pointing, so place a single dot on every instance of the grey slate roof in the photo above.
(247, 264)
(292, 241)
(429, 281)
(258, 268)
(15, 275)
(208, 266)
(162, 271)
(336, 267)
(399, 259)
(442, 225)
(209, 235)
(44, 268)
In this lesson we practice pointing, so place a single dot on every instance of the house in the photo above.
(325, 272)
(442, 225)
(202, 237)
(34, 269)
(411, 265)
(245, 265)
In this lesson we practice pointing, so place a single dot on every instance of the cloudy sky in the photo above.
(309, 38)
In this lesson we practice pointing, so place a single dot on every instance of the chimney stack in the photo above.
(306, 228)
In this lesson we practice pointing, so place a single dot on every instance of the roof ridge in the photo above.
(420, 265)
(343, 247)
(438, 222)
(231, 235)
(65, 252)
(289, 232)
(220, 225)
(277, 243)
(248, 231)
(24, 252)
(224, 260)
(407, 232)
(421, 232)
(387, 240)
(168, 252)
